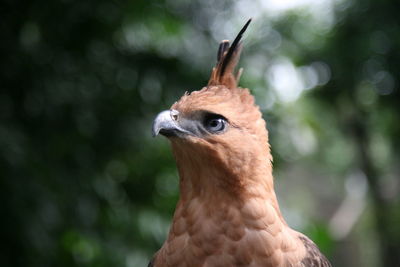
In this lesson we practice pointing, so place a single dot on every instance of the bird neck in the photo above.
(256, 206)
(210, 186)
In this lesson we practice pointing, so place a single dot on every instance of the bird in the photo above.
(227, 213)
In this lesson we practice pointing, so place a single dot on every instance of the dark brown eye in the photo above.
(215, 123)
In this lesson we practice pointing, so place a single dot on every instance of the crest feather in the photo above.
(227, 59)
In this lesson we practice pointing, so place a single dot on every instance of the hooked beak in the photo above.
(166, 124)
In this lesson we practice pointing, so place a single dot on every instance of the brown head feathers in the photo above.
(227, 59)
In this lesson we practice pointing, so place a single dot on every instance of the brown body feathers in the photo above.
(227, 214)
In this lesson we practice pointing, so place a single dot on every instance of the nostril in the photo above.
(174, 114)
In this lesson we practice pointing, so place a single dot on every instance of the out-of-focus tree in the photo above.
(84, 184)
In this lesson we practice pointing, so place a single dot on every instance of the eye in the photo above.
(215, 123)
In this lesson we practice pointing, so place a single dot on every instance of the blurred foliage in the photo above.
(84, 184)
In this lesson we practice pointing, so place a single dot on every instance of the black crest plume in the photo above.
(227, 59)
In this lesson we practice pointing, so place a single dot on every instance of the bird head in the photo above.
(218, 131)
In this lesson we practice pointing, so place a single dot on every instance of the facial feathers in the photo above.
(235, 104)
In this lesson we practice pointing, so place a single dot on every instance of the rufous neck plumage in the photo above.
(207, 178)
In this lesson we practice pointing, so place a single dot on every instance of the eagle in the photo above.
(227, 213)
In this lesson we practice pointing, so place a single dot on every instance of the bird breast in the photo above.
(228, 234)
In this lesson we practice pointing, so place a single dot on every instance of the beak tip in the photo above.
(155, 129)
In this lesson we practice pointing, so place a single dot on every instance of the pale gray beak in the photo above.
(166, 123)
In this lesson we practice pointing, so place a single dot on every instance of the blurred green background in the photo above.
(83, 183)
